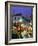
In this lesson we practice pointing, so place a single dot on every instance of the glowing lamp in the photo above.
(20, 20)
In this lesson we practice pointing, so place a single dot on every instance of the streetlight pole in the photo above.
(20, 25)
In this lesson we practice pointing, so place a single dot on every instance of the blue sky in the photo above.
(25, 11)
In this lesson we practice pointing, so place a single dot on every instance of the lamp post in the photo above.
(20, 20)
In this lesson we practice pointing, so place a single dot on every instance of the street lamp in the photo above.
(20, 20)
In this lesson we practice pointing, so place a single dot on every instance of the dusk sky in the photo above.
(23, 10)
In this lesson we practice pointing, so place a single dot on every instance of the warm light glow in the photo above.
(22, 25)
